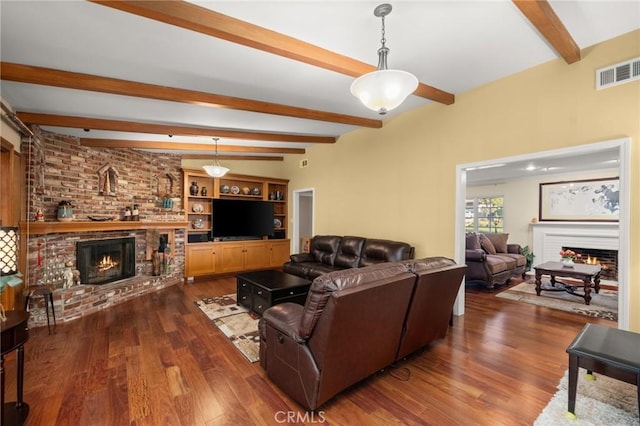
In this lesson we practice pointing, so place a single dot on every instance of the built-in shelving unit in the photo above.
(206, 257)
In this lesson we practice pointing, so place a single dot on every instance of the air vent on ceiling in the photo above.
(617, 74)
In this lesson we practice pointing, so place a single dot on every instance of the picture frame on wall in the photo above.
(589, 200)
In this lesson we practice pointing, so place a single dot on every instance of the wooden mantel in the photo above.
(53, 227)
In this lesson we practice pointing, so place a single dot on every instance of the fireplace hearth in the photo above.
(105, 261)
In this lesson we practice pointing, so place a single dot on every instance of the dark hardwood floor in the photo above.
(158, 360)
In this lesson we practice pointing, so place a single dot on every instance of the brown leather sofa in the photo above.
(356, 322)
(328, 253)
(491, 260)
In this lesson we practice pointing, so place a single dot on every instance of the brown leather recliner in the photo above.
(429, 314)
(349, 328)
(354, 323)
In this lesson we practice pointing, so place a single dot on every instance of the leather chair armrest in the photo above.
(285, 317)
(476, 255)
(302, 257)
(514, 248)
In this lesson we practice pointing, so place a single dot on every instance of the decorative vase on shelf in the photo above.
(194, 188)
(203, 192)
(65, 211)
(567, 262)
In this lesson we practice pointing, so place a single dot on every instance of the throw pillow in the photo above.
(499, 241)
(473, 242)
(486, 244)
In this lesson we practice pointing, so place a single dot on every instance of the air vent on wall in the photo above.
(617, 74)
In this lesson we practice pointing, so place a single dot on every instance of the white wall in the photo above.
(521, 200)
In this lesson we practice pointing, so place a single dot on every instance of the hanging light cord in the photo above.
(383, 40)
(384, 50)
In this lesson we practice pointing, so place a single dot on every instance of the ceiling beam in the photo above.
(205, 21)
(541, 15)
(72, 80)
(171, 146)
(232, 157)
(163, 129)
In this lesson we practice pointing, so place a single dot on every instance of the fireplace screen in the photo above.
(606, 259)
(105, 261)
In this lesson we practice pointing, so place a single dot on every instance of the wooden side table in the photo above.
(14, 333)
(605, 350)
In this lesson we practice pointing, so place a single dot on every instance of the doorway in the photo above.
(623, 147)
(302, 217)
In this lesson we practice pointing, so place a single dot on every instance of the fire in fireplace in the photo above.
(606, 259)
(105, 261)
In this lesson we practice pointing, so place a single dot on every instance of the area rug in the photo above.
(219, 306)
(603, 305)
(237, 323)
(604, 401)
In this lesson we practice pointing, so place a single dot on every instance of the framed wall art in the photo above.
(593, 200)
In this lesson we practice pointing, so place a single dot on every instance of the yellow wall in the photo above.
(399, 181)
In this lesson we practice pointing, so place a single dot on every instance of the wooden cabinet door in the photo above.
(231, 257)
(279, 252)
(201, 259)
(256, 256)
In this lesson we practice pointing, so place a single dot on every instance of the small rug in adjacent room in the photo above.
(237, 323)
(603, 305)
(604, 401)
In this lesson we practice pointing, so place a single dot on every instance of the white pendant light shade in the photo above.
(215, 170)
(384, 90)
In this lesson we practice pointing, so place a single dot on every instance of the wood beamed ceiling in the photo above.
(205, 21)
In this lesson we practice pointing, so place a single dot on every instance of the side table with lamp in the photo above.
(14, 330)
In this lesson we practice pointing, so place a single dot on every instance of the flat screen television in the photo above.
(242, 218)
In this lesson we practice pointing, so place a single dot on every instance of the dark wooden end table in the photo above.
(259, 290)
(14, 332)
(588, 274)
(605, 350)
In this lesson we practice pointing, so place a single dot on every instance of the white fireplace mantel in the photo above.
(550, 237)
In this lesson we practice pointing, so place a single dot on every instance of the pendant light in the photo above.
(383, 89)
(215, 169)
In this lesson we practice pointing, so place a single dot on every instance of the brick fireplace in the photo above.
(106, 260)
(100, 183)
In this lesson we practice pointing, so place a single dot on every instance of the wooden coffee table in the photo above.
(259, 290)
(588, 274)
